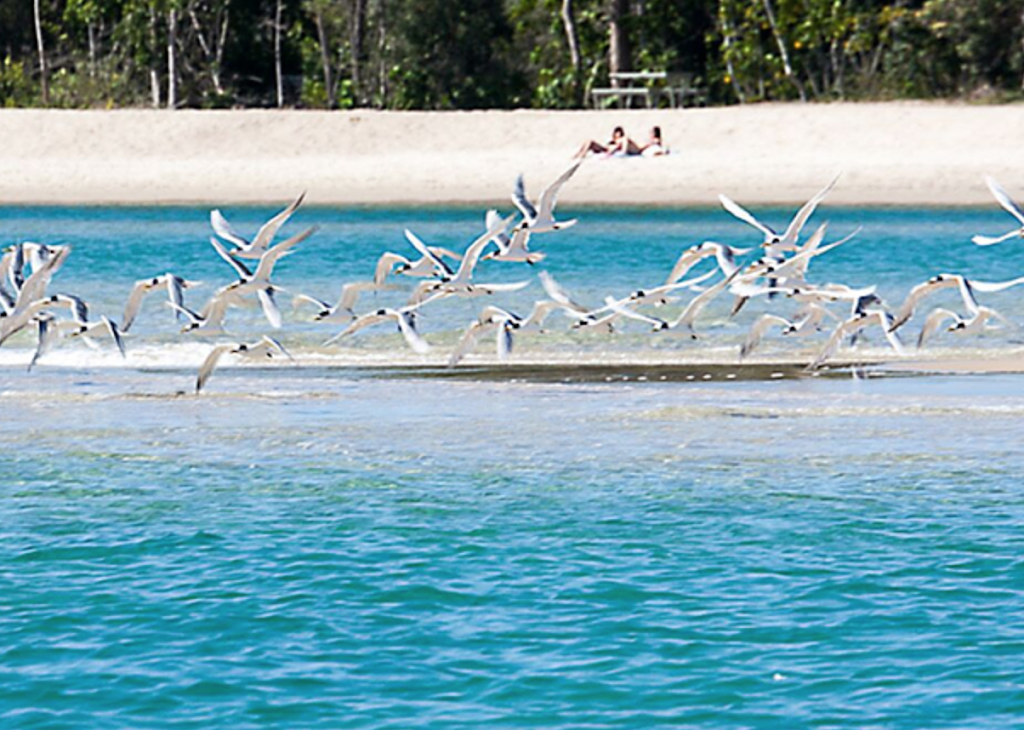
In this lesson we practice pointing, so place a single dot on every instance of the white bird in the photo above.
(494, 318)
(657, 296)
(794, 269)
(619, 308)
(403, 317)
(1003, 198)
(175, 288)
(511, 249)
(254, 249)
(266, 348)
(542, 309)
(853, 326)
(808, 320)
(773, 242)
(805, 322)
(460, 283)
(758, 330)
(977, 322)
(967, 288)
(698, 303)
(343, 310)
(22, 316)
(919, 292)
(724, 255)
(556, 292)
(258, 281)
(34, 286)
(819, 294)
(396, 263)
(783, 275)
(267, 260)
(933, 321)
(24, 259)
(210, 319)
(7, 298)
(51, 329)
(685, 319)
(541, 219)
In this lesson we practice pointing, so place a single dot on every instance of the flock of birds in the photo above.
(779, 269)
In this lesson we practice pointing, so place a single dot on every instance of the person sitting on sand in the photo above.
(655, 145)
(618, 145)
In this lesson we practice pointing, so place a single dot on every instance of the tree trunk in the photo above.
(172, 41)
(222, 41)
(154, 75)
(44, 74)
(92, 49)
(729, 68)
(780, 42)
(619, 51)
(214, 54)
(1022, 46)
(278, 77)
(382, 53)
(358, 42)
(572, 38)
(325, 58)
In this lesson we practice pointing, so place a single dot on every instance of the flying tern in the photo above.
(511, 249)
(265, 348)
(51, 329)
(540, 218)
(175, 287)
(774, 242)
(724, 255)
(254, 249)
(1004, 199)
(853, 326)
(404, 318)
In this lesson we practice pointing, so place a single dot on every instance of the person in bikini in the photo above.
(655, 145)
(618, 145)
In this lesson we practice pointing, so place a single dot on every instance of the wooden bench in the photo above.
(679, 89)
(683, 89)
(630, 85)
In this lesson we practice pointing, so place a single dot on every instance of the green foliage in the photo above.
(469, 54)
(452, 54)
(15, 87)
(984, 36)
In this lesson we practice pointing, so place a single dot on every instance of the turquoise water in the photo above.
(320, 546)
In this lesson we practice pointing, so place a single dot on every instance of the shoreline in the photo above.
(594, 369)
(892, 154)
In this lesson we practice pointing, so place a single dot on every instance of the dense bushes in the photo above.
(467, 54)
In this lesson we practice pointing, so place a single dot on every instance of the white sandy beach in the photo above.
(894, 153)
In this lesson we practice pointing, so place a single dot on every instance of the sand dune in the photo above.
(896, 153)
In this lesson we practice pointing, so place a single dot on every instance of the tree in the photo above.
(357, 54)
(43, 72)
(209, 22)
(575, 59)
(453, 54)
(620, 50)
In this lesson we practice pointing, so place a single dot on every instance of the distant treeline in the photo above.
(473, 54)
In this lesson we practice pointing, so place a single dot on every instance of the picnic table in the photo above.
(678, 89)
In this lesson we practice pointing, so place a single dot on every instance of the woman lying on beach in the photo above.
(619, 144)
(622, 146)
(655, 145)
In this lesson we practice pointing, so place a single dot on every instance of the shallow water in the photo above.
(326, 547)
(337, 552)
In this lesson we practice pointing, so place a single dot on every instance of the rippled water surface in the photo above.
(323, 547)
